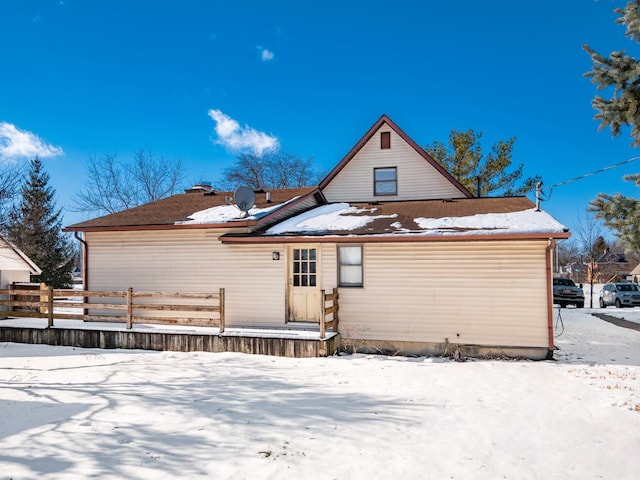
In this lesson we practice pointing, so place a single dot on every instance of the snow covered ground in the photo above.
(70, 413)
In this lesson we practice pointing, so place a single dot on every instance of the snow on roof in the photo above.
(527, 221)
(342, 217)
(229, 213)
(335, 216)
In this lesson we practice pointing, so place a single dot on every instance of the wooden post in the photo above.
(322, 314)
(336, 319)
(43, 288)
(221, 310)
(50, 307)
(130, 308)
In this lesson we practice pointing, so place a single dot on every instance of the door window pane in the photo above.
(304, 267)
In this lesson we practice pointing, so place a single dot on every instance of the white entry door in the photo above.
(303, 284)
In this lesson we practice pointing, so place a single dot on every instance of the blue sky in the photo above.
(85, 78)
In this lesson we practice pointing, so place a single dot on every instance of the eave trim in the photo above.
(242, 239)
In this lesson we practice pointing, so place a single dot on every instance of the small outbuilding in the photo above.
(420, 264)
(15, 266)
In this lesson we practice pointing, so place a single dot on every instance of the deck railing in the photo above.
(332, 309)
(119, 306)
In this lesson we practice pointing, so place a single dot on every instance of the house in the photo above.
(15, 266)
(420, 264)
(609, 267)
(634, 274)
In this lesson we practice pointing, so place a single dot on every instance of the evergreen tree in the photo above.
(35, 226)
(462, 157)
(620, 74)
(599, 246)
(621, 214)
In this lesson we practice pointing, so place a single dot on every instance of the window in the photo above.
(304, 267)
(385, 140)
(350, 266)
(385, 181)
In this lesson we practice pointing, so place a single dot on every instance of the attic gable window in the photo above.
(385, 140)
(385, 181)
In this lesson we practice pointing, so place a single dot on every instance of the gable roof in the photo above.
(400, 219)
(611, 257)
(12, 258)
(420, 151)
(178, 210)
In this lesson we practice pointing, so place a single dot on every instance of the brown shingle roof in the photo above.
(398, 221)
(177, 208)
(405, 212)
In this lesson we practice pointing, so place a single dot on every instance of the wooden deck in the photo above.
(139, 320)
(264, 342)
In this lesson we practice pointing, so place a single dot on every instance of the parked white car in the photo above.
(620, 295)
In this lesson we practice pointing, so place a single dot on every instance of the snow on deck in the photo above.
(41, 323)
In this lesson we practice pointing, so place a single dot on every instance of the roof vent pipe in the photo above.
(478, 182)
(538, 194)
(268, 194)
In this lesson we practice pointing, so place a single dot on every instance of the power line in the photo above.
(595, 172)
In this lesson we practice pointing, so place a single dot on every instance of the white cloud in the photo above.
(16, 144)
(237, 139)
(266, 55)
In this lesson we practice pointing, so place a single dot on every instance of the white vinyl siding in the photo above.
(193, 261)
(7, 277)
(416, 178)
(490, 293)
(476, 293)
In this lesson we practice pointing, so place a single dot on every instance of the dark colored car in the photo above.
(620, 295)
(565, 292)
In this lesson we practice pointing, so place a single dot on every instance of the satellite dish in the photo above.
(244, 198)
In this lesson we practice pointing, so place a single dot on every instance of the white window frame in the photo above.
(340, 256)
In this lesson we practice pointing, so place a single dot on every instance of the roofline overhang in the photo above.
(367, 136)
(168, 226)
(277, 239)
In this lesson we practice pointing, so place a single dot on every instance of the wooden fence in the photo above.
(332, 310)
(120, 306)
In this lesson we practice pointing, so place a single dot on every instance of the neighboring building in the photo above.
(420, 263)
(609, 267)
(634, 275)
(15, 266)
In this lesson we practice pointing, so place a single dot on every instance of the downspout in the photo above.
(85, 258)
(549, 252)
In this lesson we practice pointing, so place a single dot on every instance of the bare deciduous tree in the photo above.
(116, 185)
(589, 230)
(271, 170)
(10, 178)
(567, 253)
